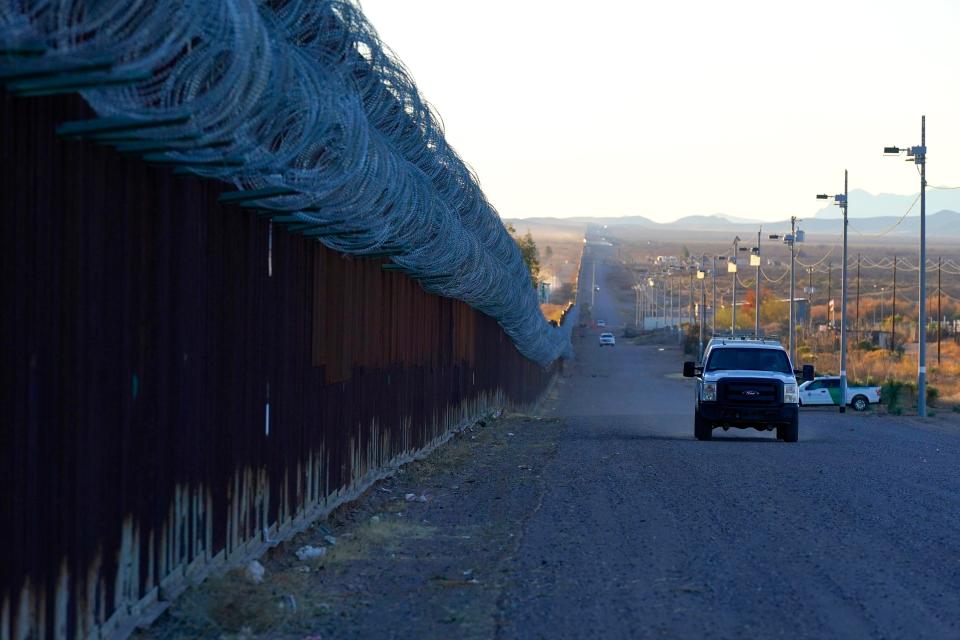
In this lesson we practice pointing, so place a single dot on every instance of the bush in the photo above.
(892, 394)
(932, 395)
(866, 345)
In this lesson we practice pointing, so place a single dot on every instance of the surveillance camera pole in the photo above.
(919, 156)
(841, 200)
(843, 303)
(921, 159)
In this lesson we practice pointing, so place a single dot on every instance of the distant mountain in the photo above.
(864, 204)
(942, 224)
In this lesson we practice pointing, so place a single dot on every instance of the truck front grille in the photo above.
(750, 392)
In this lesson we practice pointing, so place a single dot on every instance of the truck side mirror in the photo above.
(808, 372)
(689, 369)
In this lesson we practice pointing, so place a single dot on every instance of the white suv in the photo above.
(746, 383)
(607, 339)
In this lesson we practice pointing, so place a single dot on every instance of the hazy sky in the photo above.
(673, 108)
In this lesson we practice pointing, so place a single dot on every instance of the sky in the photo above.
(668, 109)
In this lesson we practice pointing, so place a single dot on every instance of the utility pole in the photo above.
(829, 293)
(858, 297)
(670, 296)
(756, 297)
(919, 156)
(713, 314)
(939, 308)
(893, 317)
(810, 299)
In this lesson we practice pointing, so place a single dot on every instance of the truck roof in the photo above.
(742, 342)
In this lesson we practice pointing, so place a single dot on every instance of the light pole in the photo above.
(918, 155)
(713, 311)
(841, 201)
(701, 276)
(755, 261)
(732, 269)
(636, 310)
(791, 239)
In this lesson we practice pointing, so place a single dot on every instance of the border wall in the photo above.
(182, 384)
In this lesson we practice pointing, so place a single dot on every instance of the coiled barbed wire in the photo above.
(302, 97)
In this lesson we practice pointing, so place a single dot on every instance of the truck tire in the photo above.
(789, 432)
(859, 403)
(702, 429)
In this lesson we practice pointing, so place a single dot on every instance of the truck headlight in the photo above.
(708, 391)
(790, 394)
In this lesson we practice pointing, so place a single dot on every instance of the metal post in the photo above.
(756, 298)
(843, 305)
(793, 257)
(921, 158)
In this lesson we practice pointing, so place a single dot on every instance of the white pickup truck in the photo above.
(826, 391)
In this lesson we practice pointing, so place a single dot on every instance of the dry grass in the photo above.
(874, 367)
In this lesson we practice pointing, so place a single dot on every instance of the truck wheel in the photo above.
(702, 429)
(788, 432)
(859, 403)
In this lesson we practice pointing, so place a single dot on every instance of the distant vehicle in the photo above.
(607, 339)
(597, 288)
(601, 323)
(746, 383)
(825, 390)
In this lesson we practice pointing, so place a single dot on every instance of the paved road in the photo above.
(852, 532)
(606, 519)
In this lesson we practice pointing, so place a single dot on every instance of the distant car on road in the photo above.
(607, 339)
(825, 390)
(601, 323)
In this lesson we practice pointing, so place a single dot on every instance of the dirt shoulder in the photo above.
(424, 554)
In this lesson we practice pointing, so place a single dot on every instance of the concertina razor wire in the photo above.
(299, 105)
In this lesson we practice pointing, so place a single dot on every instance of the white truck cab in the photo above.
(746, 383)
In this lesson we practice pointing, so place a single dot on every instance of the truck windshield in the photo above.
(749, 359)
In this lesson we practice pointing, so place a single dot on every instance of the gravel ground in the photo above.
(603, 517)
